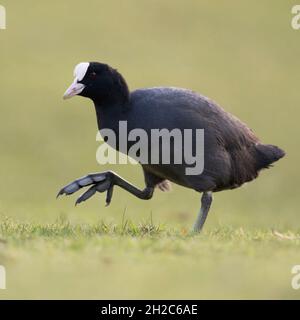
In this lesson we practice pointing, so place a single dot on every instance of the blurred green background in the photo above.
(242, 54)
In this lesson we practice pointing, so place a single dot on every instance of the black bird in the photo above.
(233, 154)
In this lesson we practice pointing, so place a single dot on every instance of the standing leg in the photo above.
(206, 201)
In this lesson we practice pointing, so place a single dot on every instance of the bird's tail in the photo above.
(266, 154)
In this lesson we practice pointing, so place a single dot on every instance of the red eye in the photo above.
(93, 75)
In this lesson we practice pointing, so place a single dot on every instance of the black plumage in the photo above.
(233, 154)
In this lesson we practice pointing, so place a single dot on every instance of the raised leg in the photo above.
(206, 201)
(101, 182)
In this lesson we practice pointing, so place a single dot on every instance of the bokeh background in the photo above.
(242, 54)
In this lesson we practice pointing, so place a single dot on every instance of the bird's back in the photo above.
(230, 153)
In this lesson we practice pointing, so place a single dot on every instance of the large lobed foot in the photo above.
(99, 182)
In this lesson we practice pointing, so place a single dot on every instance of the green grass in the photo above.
(145, 261)
(243, 54)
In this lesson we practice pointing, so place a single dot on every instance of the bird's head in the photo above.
(99, 82)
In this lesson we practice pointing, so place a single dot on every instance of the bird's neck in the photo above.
(109, 115)
(112, 102)
(116, 95)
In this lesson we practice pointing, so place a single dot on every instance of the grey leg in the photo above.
(101, 182)
(206, 201)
